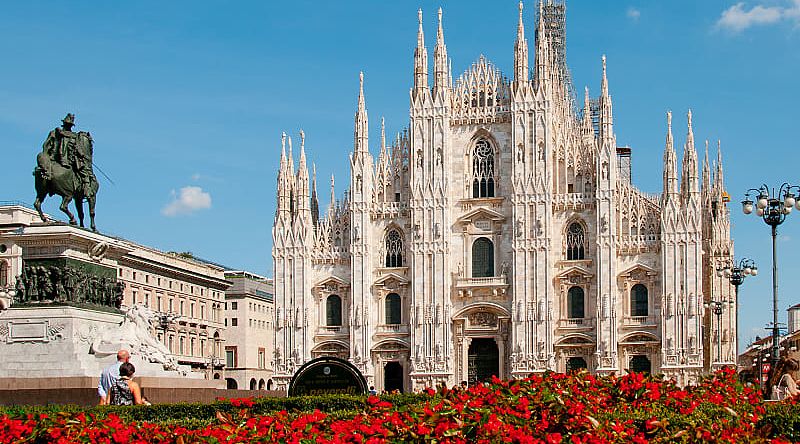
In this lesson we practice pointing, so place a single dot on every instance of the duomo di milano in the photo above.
(501, 234)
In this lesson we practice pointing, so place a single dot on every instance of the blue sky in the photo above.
(186, 102)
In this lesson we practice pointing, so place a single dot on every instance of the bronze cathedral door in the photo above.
(483, 360)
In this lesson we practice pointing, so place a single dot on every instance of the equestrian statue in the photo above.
(64, 167)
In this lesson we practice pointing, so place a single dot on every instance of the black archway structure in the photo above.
(393, 376)
(640, 364)
(327, 375)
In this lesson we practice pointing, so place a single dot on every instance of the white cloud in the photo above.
(633, 14)
(737, 18)
(186, 201)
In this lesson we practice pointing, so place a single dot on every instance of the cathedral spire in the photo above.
(520, 52)
(314, 198)
(283, 189)
(302, 192)
(542, 44)
(606, 112)
(361, 135)
(689, 179)
(420, 60)
(670, 163)
(706, 172)
(440, 62)
(719, 178)
(588, 127)
(333, 196)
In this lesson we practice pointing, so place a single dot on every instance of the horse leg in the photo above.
(79, 208)
(64, 208)
(41, 194)
(91, 200)
(38, 205)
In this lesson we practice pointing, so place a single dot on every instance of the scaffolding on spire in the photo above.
(554, 16)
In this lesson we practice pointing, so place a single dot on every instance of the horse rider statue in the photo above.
(64, 167)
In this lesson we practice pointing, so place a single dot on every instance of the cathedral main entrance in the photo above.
(483, 360)
(393, 376)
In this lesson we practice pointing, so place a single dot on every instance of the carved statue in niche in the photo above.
(518, 228)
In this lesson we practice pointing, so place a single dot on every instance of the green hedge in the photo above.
(182, 412)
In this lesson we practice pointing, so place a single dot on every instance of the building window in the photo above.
(134, 293)
(171, 344)
(575, 303)
(191, 346)
(262, 358)
(202, 347)
(191, 310)
(639, 300)
(482, 258)
(234, 306)
(333, 311)
(171, 305)
(483, 169)
(576, 240)
(4, 273)
(182, 345)
(394, 249)
(202, 311)
(234, 322)
(230, 357)
(158, 301)
(393, 309)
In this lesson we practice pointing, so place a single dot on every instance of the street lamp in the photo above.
(773, 208)
(736, 273)
(717, 307)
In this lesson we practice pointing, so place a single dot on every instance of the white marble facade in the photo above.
(500, 233)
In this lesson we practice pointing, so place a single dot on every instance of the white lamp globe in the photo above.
(760, 211)
(762, 202)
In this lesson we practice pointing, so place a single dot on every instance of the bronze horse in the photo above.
(52, 178)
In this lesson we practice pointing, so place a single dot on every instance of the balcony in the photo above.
(329, 330)
(576, 324)
(640, 322)
(468, 286)
(392, 329)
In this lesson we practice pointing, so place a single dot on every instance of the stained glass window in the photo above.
(483, 169)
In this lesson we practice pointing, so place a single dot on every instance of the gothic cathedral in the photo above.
(500, 234)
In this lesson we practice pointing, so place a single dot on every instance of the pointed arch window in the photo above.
(576, 239)
(483, 258)
(393, 309)
(394, 249)
(575, 303)
(483, 168)
(639, 303)
(333, 311)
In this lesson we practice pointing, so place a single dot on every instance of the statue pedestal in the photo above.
(44, 342)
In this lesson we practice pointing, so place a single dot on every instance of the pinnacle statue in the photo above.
(64, 168)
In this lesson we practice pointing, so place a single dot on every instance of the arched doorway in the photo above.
(262, 385)
(393, 376)
(640, 364)
(576, 363)
(253, 384)
(483, 360)
(231, 384)
(269, 384)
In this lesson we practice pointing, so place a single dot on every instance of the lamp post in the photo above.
(736, 273)
(773, 207)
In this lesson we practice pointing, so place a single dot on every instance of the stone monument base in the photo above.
(50, 346)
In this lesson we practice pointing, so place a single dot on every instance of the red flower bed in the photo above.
(552, 408)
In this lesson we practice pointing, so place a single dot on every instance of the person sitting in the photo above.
(125, 391)
(786, 386)
(110, 375)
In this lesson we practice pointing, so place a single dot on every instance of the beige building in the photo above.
(250, 333)
(500, 233)
(188, 296)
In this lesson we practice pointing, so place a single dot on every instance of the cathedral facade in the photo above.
(500, 234)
